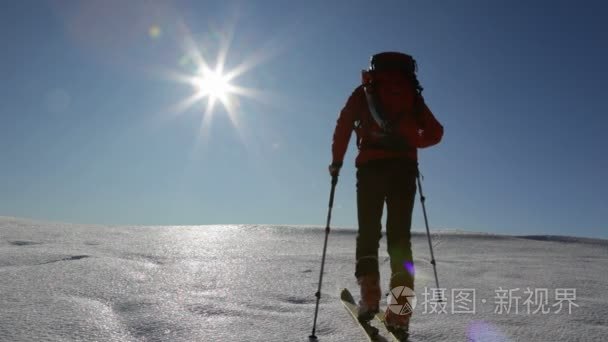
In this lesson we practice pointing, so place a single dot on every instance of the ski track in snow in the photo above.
(70, 282)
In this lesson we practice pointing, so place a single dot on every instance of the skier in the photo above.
(391, 121)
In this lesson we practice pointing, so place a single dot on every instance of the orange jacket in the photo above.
(419, 132)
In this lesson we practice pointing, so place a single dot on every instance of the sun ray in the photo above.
(257, 58)
(185, 104)
(243, 91)
(190, 46)
(234, 120)
(203, 132)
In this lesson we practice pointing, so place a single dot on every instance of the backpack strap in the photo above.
(374, 109)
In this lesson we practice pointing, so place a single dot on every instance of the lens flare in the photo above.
(409, 266)
(481, 331)
(154, 32)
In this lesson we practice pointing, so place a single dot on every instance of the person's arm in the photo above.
(344, 127)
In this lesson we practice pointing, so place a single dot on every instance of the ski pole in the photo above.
(334, 181)
(428, 232)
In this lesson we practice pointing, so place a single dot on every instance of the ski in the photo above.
(372, 332)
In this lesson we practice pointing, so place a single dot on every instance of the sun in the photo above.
(214, 85)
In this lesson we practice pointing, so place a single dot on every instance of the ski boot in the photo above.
(369, 304)
(398, 324)
(399, 310)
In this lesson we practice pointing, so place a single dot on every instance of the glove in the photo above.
(334, 169)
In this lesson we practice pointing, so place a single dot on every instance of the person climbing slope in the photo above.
(391, 121)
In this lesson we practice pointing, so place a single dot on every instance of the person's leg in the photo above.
(370, 202)
(399, 206)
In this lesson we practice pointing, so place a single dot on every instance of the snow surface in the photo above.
(70, 282)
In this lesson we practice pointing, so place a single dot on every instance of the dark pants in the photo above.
(392, 181)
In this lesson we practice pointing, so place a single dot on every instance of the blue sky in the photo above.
(89, 132)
